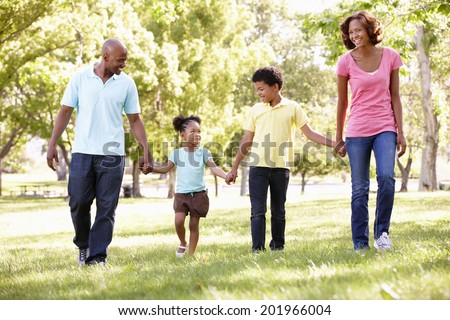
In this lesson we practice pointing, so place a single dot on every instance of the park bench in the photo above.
(34, 190)
(444, 185)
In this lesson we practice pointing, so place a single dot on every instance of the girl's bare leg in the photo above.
(180, 217)
(194, 234)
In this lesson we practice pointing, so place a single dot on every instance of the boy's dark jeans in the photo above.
(260, 179)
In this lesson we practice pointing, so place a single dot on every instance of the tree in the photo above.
(426, 36)
(311, 162)
(29, 31)
(412, 109)
(42, 40)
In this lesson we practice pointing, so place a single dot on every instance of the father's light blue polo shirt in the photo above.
(99, 107)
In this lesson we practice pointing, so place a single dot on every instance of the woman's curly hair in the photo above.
(373, 27)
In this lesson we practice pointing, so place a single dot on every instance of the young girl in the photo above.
(190, 194)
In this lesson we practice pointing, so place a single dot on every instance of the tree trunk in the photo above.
(427, 180)
(7, 144)
(405, 171)
(304, 180)
(136, 184)
(1, 171)
(172, 180)
(1, 159)
(244, 179)
(65, 153)
(216, 185)
(61, 169)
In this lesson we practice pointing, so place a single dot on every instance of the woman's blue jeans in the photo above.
(359, 152)
(99, 177)
(260, 179)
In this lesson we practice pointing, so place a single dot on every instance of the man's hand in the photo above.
(52, 157)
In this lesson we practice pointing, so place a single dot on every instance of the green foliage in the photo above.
(28, 32)
(201, 56)
(317, 160)
(33, 35)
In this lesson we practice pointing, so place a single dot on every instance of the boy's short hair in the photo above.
(270, 75)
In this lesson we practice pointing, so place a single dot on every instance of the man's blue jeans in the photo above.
(260, 179)
(359, 152)
(99, 177)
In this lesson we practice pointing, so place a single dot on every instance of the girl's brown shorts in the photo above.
(196, 203)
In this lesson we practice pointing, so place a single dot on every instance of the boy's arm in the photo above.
(317, 137)
(243, 150)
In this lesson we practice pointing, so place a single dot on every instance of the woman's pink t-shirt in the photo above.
(370, 110)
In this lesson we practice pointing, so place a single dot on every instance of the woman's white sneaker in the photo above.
(383, 242)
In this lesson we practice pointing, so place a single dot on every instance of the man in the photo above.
(99, 93)
(270, 128)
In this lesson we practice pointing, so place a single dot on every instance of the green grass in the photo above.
(38, 260)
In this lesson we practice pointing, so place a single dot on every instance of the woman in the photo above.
(375, 123)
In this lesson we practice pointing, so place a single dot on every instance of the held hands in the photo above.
(145, 163)
(145, 166)
(228, 182)
(231, 176)
(340, 149)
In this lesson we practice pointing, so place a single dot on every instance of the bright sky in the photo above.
(311, 5)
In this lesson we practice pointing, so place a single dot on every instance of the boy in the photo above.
(270, 127)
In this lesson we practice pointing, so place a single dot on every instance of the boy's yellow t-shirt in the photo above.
(274, 129)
